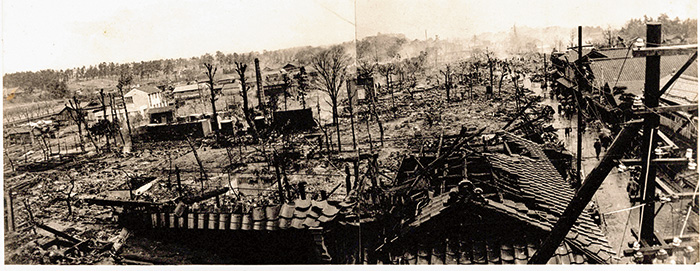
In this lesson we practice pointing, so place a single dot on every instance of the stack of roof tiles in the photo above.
(301, 214)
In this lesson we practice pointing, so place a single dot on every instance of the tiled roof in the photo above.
(683, 91)
(302, 214)
(482, 250)
(572, 55)
(633, 72)
(534, 193)
(616, 53)
(536, 178)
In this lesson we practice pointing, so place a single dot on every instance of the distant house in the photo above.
(161, 114)
(19, 135)
(187, 92)
(291, 69)
(88, 108)
(144, 97)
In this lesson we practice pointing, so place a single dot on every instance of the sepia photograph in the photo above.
(350, 132)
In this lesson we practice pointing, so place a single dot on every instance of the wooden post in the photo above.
(279, 178)
(651, 121)
(584, 195)
(12, 165)
(356, 169)
(544, 75)
(579, 117)
(9, 208)
(348, 184)
(179, 183)
(352, 119)
(261, 92)
(170, 171)
(104, 115)
(115, 119)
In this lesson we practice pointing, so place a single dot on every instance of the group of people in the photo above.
(567, 106)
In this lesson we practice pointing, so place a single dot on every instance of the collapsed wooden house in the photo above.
(508, 200)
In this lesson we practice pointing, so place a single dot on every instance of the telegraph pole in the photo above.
(651, 122)
(544, 85)
(261, 91)
(579, 117)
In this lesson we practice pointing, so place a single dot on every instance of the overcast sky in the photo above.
(70, 33)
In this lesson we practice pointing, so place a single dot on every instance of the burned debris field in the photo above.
(384, 150)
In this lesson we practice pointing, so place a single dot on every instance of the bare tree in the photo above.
(386, 71)
(448, 81)
(124, 82)
(240, 69)
(365, 71)
(331, 65)
(610, 36)
(78, 115)
(210, 71)
(302, 81)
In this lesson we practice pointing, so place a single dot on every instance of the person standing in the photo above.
(597, 147)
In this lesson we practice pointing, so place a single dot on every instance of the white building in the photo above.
(144, 97)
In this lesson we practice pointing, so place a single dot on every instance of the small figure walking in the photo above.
(559, 109)
(567, 132)
(597, 147)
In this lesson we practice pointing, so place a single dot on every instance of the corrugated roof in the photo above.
(683, 91)
(186, 88)
(633, 71)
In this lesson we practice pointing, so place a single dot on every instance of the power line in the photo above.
(334, 13)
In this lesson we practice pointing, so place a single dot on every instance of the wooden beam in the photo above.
(688, 195)
(652, 250)
(655, 161)
(671, 108)
(584, 194)
(116, 202)
(667, 140)
(58, 233)
(665, 50)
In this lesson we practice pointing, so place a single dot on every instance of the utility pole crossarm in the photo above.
(584, 194)
(663, 109)
(665, 50)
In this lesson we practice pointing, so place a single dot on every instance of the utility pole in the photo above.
(351, 95)
(544, 85)
(490, 73)
(579, 117)
(584, 195)
(258, 81)
(104, 115)
(651, 122)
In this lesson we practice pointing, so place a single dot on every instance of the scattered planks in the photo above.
(118, 202)
(204, 196)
